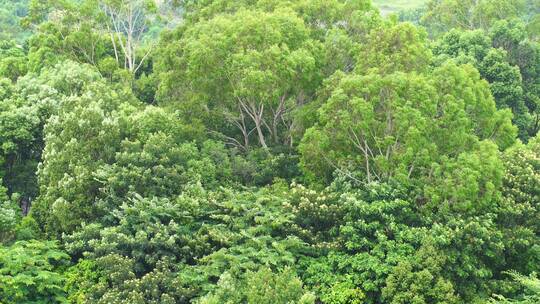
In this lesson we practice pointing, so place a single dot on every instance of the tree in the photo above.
(393, 126)
(26, 106)
(263, 286)
(66, 30)
(472, 246)
(75, 129)
(393, 47)
(253, 67)
(186, 243)
(495, 66)
(518, 211)
(30, 272)
(142, 251)
(9, 218)
(443, 15)
(20, 148)
(524, 53)
(338, 25)
(11, 14)
(420, 281)
(149, 151)
(364, 232)
(13, 62)
(127, 23)
(93, 32)
(320, 15)
(531, 286)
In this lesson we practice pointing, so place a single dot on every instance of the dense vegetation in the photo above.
(269, 151)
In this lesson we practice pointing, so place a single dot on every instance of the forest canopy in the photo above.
(269, 151)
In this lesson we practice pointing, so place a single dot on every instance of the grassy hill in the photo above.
(394, 6)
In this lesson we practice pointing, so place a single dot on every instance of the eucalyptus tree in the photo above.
(409, 126)
(250, 69)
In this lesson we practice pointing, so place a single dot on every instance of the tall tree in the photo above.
(127, 23)
(250, 68)
(507, 60)
(400, 125)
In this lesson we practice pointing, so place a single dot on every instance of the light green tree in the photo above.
(401, 125)
(250, 69)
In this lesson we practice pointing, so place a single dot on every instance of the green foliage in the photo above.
(531, 286)
(135, 256)
(269, 151)
(88, 121)
(12, 13)
(247, 231)
(420, 280)
(518, 211)
(370, 236)
(497, 62)
(442, 15)
(521, 180)
(391, 135)
(111, 279)
(236, 74)
(13, 226)
(262, 286)
(147, 152)
(25, 108)
(259, 167)
(19, 135)
(29, 272)
(315, 12)
(148, 230)
(197, 237)
(342, 293)
(393, 47)
(472, 248)
(9, 218)
(247, 88)
(14, 62)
